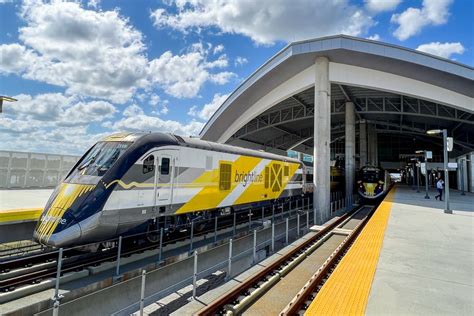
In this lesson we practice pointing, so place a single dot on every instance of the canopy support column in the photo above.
(322, 140)
(349, 152)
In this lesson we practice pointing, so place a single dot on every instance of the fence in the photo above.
(33, 170)
(270, 225)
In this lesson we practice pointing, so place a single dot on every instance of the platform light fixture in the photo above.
(447, 210)
(434, 131)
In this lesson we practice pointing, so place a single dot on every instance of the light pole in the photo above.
(445, 165)
(462, 160)
(427, 155)
(416, 174)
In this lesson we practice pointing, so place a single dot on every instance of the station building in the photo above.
(369, 102)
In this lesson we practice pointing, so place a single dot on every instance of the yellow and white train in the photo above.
(126, 183)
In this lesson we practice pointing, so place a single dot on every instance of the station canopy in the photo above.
(402, 93)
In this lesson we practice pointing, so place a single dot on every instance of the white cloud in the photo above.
(164, 109)
(93, 3)
(208, 109)
(99, 54)
(239, 61)
(182, 76)
(444, 50)
(132, 110)
(218, 49)
(15, 58)
(374, 37)
(146, 123)
(381, 5)
(52, 122)
(71, 140)
(413, 20)
(266, 21)
(154, 99)
(89, 53)
(55, 109)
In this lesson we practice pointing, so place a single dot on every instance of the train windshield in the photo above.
(370, 176)
(97, 161)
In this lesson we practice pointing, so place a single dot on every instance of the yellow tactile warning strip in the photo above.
(23, 214)
(346, 292)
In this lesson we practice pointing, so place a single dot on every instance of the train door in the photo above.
(165, 178)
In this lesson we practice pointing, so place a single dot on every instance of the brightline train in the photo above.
(126, 183)
(373, 182)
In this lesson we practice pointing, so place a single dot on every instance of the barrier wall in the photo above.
(33, 170)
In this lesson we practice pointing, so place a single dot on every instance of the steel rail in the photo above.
(298, 302)
(214, 307)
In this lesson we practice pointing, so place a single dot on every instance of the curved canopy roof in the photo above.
(396, 61)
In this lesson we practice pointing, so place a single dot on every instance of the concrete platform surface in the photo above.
(426, 266)
(23, 199)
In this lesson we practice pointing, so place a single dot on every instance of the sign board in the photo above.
(423, 168)
(429, 155)
(449, 143)
(452, 165)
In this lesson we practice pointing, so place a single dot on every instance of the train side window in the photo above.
(286, 171)
(149, 164)
(267, 177)
(165, 166)
(309, 178)
(225, 172)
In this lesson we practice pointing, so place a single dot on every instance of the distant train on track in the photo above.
(373, 183)
(127, 183)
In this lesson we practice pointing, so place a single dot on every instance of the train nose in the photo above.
(58, 230)
(65, 237)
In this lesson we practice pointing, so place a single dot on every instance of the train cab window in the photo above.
(165, 166)
(225, 171)
(286, 171)
(149, 164)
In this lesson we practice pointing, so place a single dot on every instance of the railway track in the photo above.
(42, 266)
(283, 287)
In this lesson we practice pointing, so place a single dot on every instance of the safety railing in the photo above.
(292, 218)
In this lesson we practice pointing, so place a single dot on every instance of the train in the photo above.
(372, 183)
(128, 182)
(337, 177)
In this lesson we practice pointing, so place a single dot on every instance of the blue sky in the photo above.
(85, 69)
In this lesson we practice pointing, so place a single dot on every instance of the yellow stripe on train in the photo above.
(67, 194)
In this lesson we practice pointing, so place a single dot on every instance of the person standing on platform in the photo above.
(439, 187)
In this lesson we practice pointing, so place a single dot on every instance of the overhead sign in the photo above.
(450, 143)
(452, 165)
(429, 155)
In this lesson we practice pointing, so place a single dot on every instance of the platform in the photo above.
(410, 259)
(21, 199)
(19, 212)
(22, 205)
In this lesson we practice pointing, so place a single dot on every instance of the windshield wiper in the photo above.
(88, 162)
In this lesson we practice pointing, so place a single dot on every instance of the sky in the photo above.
(85, 69)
